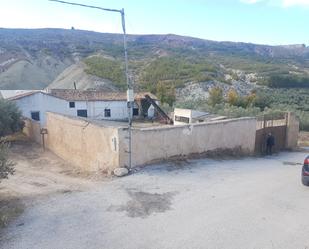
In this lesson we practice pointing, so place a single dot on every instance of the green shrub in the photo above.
(10, 118)
(6, 166)
(215, 96)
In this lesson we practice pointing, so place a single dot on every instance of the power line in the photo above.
(130, 92)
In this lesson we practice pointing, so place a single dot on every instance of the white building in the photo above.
(98, 105)
(188, 116)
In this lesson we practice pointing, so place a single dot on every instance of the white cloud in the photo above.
(283, 3)
(289, 3)
(251, 1)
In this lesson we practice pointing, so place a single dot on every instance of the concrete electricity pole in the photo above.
(130, 92)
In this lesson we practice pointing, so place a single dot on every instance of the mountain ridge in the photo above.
(34, 58)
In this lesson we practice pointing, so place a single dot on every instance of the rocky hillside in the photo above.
(35, 59)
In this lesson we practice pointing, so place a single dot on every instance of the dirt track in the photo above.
(250, 203)
(38, 175)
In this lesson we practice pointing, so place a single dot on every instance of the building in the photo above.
(188, 116)
(99, 105)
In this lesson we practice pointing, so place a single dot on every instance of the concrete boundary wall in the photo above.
(86, 145)
(159, 143)
(94, 147)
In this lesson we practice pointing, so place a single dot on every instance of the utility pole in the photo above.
(130, 92)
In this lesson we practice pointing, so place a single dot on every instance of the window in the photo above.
(107, 113)
(135, 111)
(82, 113)
(35, 116)
(72, 104)
(182, 119)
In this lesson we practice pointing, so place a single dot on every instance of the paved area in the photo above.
(235, 204)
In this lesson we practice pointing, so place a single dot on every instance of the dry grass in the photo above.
(10, 208)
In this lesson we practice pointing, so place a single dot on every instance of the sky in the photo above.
(273, 22)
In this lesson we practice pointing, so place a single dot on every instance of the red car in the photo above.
(305, 172)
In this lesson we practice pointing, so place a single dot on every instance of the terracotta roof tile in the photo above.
(88, 95)
(94, 95)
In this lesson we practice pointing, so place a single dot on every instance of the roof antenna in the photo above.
(74, 85)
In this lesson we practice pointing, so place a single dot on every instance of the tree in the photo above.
(215, 96)
(10, 118)
(250, 99)
(232, 97)
(166, 93)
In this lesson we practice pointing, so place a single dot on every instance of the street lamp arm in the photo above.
(130, 92)
(88, 6)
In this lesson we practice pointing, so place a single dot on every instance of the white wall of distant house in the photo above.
(42, 103)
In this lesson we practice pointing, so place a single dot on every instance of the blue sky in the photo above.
(257, 21)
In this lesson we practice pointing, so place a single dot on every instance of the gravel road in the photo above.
(235, 204)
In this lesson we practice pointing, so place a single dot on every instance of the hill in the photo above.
(36, 58)
(180, 70)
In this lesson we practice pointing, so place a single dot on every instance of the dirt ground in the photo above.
(37, 175)
(244, 203)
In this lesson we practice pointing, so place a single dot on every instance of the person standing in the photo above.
(270, 142)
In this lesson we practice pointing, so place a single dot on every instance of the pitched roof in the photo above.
(19, 96)
(95, 95)
(86, 95)
(10, 94)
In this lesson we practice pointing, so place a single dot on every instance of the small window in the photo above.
(35, 116)
(182, 119)
(72, 104)
(107, 112)
(82, 113)
(135, 111)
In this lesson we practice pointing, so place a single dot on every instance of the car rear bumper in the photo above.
(305, 180)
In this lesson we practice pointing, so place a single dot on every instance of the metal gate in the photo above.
(277, 125)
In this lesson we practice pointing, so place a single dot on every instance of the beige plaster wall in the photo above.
(88, 146)
(95, 148)
(292, 131)
(150, 144)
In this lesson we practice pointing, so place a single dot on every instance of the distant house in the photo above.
(100, 105)
(188, 116)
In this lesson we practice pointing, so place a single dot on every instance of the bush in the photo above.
(10, 118)
(215, 96)
(166, 93)
(6, 166)
(232, 97)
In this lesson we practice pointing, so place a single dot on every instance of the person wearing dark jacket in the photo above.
(270, 142)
